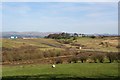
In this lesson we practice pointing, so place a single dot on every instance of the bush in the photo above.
(61, 53)
(118, 57)
(38, 55)
(58, 53)
(73, 51)
(16, 57)
(58, 60)
(100, 57)
(93, 36)
(94, 57)
(46, 54)
(112, 56)
(82, 57)
(118, 46)
(69, 60)
(66, 41)
(51, 53)
(74, 59)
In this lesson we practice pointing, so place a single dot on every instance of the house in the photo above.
(13, 37)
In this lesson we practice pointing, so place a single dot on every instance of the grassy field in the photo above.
(76, 70)
(95, 43)
(43, 43)
(92, 44)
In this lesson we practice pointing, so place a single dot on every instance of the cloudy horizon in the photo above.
(81, 17)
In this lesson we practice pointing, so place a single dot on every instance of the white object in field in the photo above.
(53, 66)
(12, 37)
(80, 47)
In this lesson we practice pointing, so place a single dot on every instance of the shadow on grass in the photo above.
(56, 77)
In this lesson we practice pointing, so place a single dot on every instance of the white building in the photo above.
(13, 37)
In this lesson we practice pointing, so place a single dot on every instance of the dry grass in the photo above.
(95, 44)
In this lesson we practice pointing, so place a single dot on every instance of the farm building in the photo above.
(13, 37)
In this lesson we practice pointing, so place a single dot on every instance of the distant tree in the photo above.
(59, 36)
(75, 35)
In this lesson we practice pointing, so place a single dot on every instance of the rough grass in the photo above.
(62, 71)
(40, 42)
(92, 44)
(95, 43)
(77, 70)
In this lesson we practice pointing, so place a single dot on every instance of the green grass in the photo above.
(82, 70)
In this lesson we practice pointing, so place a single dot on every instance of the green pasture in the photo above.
(81, 70)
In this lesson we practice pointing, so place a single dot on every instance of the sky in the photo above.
(81, 17)
(60, 0)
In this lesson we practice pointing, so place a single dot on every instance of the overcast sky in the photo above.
(82, 17)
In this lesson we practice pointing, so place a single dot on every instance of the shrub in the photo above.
(94, 57)
(62, 52)
(74, 59)
(65, 53)
(9, 57)
(83, 57)
(22, 53)
(58, 53)
(118, 57)
(93, 36)
(38, 55)
(51, 53)
(46, 54)
(74, 38)
(73, 51)
(69, 60)
(112, 56)
(67, 41)
(118, 46)
(100, 57)
(58, 60)
(16, 57)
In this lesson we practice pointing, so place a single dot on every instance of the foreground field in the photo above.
(76, 70)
